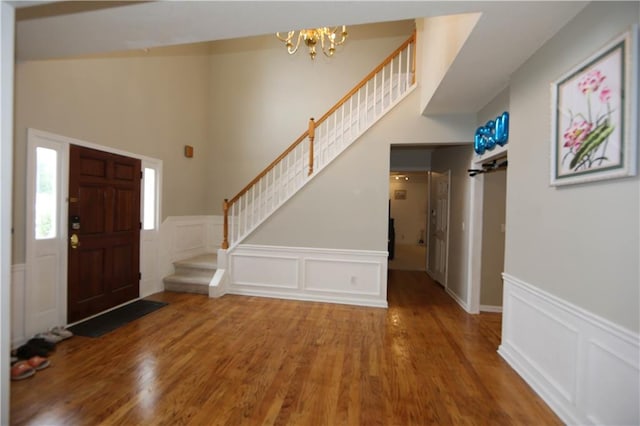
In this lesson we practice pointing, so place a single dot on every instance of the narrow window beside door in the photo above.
(46, 193)
(149, 199)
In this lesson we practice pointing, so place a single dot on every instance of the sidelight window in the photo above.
(46, 193)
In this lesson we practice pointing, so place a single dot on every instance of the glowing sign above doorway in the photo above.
(495, 132)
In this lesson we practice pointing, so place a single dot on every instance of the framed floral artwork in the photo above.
(594, 115)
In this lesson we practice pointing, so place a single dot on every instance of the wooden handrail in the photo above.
(269, 167)
(312, 136)
(368, 77)
(310, 132)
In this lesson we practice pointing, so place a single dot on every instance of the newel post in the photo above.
(312, 135)
(225, 238)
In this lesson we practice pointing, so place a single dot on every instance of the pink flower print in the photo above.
(591, 82)
(605, 94)
(576, 134)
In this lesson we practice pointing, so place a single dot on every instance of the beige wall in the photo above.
(579, 242)
(440, 39)
(347, 206)
(262, 98)
(410, 214)
(150, 104)
(457, 159)
(493, 219)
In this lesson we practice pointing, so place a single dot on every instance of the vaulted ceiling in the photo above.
(507, 34)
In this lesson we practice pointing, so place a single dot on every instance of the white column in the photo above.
(7, 22)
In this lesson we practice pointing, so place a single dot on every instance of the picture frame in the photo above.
(400, 194)
(594, 106)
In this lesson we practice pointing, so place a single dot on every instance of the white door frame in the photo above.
(40, 138)
(445, 279)
(7, 34)
(476, 220)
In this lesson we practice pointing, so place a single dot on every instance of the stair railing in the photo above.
(350, 117)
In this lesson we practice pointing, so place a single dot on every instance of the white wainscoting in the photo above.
(585, 367)
(18, 283)
(182, 237)
(354, 277)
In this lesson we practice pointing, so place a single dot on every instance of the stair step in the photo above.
(187, 284)
(192, 275)
(207, 261)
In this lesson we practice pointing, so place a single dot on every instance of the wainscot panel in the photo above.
(18, 334)
(585, 367)
(355, 277)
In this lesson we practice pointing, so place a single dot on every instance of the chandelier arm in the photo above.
(291, 48)
(287, 38)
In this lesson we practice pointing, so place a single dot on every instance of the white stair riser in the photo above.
(194, 272)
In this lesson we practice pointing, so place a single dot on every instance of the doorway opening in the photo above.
(408, 208)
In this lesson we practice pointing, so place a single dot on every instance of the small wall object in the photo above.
(495, 132)
(594, 109)
(400, 194)
(188, 151)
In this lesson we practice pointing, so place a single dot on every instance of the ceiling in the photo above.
(506, 35)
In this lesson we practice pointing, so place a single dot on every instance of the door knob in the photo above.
(75, 241)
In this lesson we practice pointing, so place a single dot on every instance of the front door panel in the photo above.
(104, 216)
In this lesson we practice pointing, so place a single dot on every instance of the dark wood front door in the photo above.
(104, 216)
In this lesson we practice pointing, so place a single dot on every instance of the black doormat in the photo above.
(109, 321)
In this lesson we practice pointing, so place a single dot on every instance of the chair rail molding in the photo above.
(584, 366)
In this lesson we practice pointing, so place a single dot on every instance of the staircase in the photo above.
(192, 275)
(382, 89)
(317, 147)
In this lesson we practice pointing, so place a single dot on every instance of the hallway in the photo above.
(247, 360)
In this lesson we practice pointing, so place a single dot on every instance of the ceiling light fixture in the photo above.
(328, 38)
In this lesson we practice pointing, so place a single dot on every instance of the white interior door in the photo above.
(439, 226)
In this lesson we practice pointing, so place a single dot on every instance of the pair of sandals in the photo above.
(55, 335)
(33, 354)
(24, 369)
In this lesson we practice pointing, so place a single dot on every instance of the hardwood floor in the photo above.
(253, 361)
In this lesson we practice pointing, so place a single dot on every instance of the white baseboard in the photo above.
(585, 367)
(355, 277)
(490, 308)
(18, 283)
(458, 300)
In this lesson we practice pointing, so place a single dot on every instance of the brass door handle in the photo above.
(75, 241)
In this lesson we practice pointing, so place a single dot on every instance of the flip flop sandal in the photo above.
(39, 363)
(22, 370)
(49, 337)
(62, 332)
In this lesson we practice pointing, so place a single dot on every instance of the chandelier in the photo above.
(329, 38)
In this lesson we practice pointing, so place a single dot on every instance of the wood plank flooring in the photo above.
(254, 361)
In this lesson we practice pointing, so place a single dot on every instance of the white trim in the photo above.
(474, 259)
(354, 277)
(490, 308)
(585, 367)
(18, 293)
(39, 318)
(458, 300)
(7, 44)
(147, 286)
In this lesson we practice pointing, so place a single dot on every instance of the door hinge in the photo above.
(141, 174)
(140, 225)
(139, 276)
